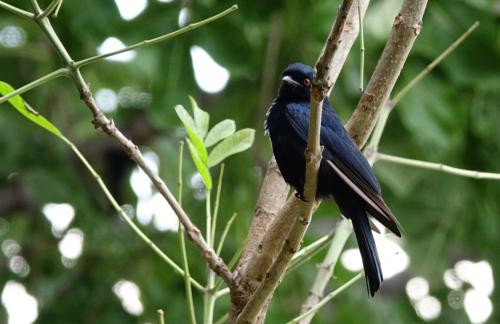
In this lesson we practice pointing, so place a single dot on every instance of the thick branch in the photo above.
(404, 32)
(257, 262)
(303, 213)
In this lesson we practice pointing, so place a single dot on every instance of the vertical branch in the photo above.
(320, 88)
(392, 59)
(258, 256)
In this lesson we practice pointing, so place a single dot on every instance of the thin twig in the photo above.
(434, 63)
(161, 316)
(182, 243)
(307, 252)
(372, 146)
(361, 47)
(34, 84)
(217, 202)
(438, 167)
(126, 218)
(156, 40)
(50, 9)
(328, 297)
(16, 10)
(56, 12)
(224, 233)
(209, 297)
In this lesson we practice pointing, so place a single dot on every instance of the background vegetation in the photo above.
(451, 117)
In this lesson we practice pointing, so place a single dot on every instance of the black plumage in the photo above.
(344, 174)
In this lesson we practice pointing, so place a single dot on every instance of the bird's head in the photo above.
(296, 83)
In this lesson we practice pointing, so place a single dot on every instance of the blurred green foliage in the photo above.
(451, 117)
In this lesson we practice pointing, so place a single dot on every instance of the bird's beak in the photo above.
(289, 79)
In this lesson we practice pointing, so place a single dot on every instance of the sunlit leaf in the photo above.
(220, 131)
(189, 126)
(202, 167)
(29, 113)
(238, 142)
(201, 118)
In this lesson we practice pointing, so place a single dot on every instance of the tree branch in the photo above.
(405, 30)
(303, 213)
(101, 121)
(268, 206)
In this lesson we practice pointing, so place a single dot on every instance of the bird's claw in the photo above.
(300, 196)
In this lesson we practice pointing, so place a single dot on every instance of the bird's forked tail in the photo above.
(368, 250)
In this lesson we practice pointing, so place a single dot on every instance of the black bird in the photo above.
(344, 173)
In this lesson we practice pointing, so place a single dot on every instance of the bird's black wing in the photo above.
(346, 161)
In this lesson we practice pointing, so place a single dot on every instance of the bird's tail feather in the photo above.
(368, 250)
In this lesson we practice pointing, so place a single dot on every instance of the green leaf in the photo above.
(220, 131)
(185, 117)
(27, 112)
(201, 118)
(238, 142)
(189, 126)
(202, 167)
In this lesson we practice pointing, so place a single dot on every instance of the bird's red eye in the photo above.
(307, 82)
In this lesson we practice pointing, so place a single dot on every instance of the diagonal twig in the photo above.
(437, 167)
(16, 10)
